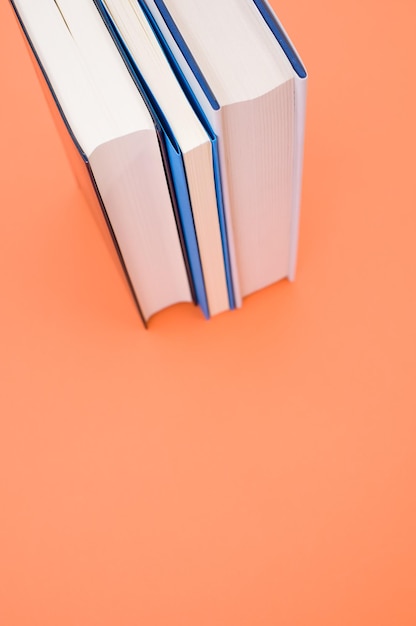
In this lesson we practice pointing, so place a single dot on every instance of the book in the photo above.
(192, 151)
(191, 131)
(251, 85)
(119, 147)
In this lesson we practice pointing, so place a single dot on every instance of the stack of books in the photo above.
(188, 120)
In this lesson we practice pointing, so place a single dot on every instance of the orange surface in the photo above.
(256, 470)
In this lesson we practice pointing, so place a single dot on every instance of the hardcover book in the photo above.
(187, 119)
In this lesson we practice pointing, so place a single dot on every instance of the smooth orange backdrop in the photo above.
(256, 470)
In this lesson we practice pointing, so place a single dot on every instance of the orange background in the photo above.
(257, 469)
